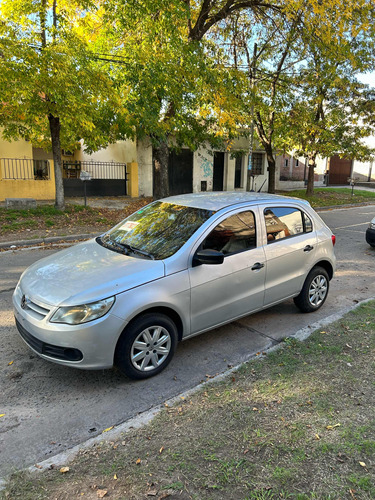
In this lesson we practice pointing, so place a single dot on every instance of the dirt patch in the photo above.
(298, 423)
(45, 221)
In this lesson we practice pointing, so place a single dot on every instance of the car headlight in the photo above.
(75, 315)
(371, 225)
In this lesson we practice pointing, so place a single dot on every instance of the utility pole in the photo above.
(251, 145)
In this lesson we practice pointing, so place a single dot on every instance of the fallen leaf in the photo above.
(362, 464)
(138, 461)
(101, 493)
(317, 436)
(161, 449)
(115, 476)
(330, 427)
(64, 470)
(2, 415)
(10, 363)
(108, 429)
(38, 466)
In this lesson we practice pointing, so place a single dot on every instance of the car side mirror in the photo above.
(208, 256)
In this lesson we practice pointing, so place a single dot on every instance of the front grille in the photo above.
(53, 351)
(38, 310)
(35, 310)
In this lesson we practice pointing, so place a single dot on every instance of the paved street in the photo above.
(49, 408)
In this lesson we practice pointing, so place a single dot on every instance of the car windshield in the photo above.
(156, 231)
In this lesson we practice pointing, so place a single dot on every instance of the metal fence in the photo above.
(98, 170)
(25, 169)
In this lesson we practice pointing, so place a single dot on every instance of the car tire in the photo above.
(146, 346)
(314, 291)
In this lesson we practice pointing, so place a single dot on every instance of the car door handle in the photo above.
(308, 248)
(257, 266)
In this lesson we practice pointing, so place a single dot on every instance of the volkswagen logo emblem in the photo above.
(23, 302)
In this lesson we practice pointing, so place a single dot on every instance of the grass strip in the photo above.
(326, 197)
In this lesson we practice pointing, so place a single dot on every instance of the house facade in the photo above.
(205, 169)
(126, 168)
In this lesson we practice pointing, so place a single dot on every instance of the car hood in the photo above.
(85, 273)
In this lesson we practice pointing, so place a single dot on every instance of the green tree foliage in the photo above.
(174, 89)
(274, 59)
(329, 113)
(54, 90)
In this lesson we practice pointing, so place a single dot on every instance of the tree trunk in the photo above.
(54, 125)
(310, 177)
(160, 164)
(271, 169)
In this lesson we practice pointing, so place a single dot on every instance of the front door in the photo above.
(180, 172)
(226, 291)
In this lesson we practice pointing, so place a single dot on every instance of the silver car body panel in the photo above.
(202, 296)
(85, 273)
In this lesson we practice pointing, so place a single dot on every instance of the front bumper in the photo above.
(88, 346)
(370, 236)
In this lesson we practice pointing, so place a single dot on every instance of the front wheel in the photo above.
(146, 346)
(314, 291)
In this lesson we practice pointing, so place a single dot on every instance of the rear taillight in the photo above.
(333, 238)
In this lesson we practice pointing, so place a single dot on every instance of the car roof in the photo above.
(216, 200)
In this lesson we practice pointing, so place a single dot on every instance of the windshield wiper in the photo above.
(124, 248)
(136, 250)
(106, 242)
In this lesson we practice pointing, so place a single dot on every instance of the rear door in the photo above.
(290, 251)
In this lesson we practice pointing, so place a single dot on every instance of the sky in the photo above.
(368, 78)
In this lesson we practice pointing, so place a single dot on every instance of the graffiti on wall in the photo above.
(207, 166)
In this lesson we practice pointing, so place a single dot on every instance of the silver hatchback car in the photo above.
(176, 268)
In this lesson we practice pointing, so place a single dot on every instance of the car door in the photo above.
(290, 251)
(221, 292)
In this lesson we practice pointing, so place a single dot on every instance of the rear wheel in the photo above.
(146, 346)
(314, 291)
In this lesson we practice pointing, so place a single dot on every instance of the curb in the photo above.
(49, 240)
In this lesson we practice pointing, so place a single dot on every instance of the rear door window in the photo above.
(284, 222)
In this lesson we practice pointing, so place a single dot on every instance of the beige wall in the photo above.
(37, 189)
(121, 152)
(15, 149)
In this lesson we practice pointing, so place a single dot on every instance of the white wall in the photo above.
(203, 169)
(145, 167)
